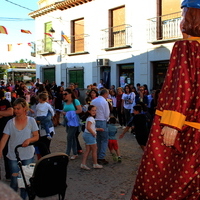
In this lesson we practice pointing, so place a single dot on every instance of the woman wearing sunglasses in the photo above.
(71, 109)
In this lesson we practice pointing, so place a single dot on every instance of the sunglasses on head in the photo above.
(64, 94)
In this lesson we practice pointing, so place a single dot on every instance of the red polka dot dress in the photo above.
(173, 173)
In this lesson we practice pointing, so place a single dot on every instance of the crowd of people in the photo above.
(51, 105)
(170, 165)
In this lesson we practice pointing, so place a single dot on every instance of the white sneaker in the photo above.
(97, 166)
(49, 137)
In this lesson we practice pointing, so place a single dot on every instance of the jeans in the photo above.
(102, 139)
(71, 139)
(127, 113)
(14, 168)
(46, 122)
(77, 141)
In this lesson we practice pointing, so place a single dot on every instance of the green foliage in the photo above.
(25, 61)
(2, 72)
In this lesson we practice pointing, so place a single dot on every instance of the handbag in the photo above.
(82, 114)
(28, 172)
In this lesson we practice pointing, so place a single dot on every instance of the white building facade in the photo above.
(119, 41)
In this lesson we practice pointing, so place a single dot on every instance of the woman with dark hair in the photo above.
(120, 115)
(93, 94)
(71, 109)
(146, 91)
(41, 88)
(154, 103)
(170, 164)
(128, 101)
(141, 97)
(20, 91)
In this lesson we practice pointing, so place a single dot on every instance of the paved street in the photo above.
(115, 181)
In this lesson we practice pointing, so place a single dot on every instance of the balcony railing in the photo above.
(79, 43)
(163, 28)
(117, 37)
(43, 47)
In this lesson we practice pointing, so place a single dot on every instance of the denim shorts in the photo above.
(89, 138)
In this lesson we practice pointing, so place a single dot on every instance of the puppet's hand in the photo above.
(169, 135)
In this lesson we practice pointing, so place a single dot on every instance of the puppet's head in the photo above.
(190, 24)
(190, 4)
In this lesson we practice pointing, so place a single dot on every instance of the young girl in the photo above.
(89, 137)
(19, 130)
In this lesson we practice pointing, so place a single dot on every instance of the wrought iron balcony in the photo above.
(79, 43)
(117, 37)
(44, 47)
(164, 28)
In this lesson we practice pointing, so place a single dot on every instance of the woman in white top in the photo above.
(128, 101)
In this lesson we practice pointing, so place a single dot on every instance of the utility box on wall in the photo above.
(103, 62)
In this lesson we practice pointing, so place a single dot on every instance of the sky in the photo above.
(14, 36)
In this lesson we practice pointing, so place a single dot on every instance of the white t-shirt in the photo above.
(100, 85)
(43, 108)
(93, 125)
(129, 100)
(18, 137)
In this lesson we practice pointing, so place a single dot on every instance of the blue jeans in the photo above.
(71, 139)
(102, 139)
(46, 122)
(14, 168)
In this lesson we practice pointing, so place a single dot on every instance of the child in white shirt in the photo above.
(44, 113)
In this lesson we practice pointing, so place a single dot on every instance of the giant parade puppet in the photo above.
(170, 167)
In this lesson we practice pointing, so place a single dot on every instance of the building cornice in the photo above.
(43, 11)
(57, 6)
(71, 3)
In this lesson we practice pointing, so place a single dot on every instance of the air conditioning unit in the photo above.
(103, 62)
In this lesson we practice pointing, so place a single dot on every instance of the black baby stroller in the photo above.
(49, 176)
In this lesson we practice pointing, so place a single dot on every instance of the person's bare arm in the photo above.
(7, 112)
(3, 141)
(124, 131)
(32, 139)
(78, 109)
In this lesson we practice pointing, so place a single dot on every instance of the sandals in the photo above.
(97, 166)
(73, 157)
(84, 167)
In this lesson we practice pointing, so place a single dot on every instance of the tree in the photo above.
(2, 72)
(25, 61)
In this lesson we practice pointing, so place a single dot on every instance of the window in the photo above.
(169, 6)
(76, 76)
(126, 73)
(77, 44)
(47, 39)
(168, 13)
(117, 31)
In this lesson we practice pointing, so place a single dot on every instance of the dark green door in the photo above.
(76, 76)
(49, 74)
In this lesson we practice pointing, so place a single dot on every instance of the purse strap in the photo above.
(74, 104)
